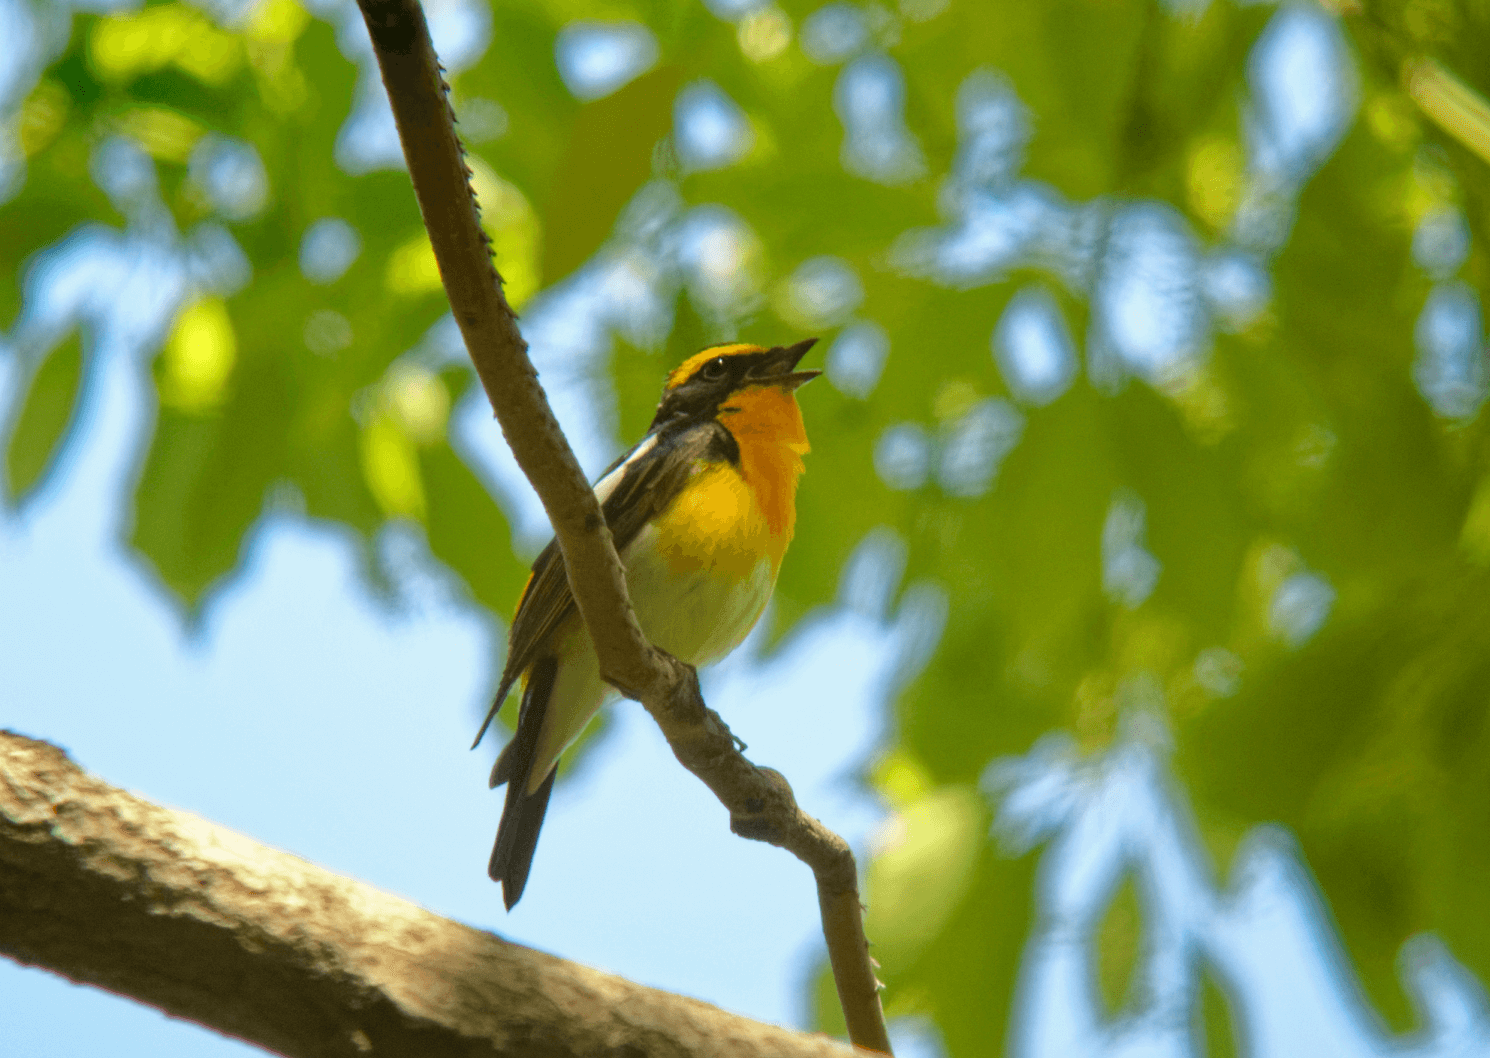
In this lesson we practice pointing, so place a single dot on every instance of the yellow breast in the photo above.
(718, 523)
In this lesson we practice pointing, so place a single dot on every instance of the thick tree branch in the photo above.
(110, 890)
(760, 801)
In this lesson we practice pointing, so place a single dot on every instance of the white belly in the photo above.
(698, 616)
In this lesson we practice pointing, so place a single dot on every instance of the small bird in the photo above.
(701, 511)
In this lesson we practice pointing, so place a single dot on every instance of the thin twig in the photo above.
(760, 801)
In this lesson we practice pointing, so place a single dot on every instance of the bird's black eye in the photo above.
(714, 370)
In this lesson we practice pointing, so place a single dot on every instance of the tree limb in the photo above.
(760, 801)
(206, 924)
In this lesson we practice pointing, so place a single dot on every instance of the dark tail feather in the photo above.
(517, 838)
(522, 817)
(501, 771)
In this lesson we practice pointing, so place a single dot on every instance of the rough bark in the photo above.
(160, 905)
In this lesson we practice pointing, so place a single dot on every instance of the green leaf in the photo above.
(916, 884)
(608, 157)
(204, 484)
(44, 420)
(965, 977)
(1118, 943)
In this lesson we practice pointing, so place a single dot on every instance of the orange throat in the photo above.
(766, 423)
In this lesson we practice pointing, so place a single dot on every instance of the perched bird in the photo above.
(701, 510)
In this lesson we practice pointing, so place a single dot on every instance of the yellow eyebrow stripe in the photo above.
(683, 371)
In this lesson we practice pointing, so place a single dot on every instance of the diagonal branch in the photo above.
(111, 890)
(760, 801)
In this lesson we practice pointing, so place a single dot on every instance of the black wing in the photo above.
(648, 484)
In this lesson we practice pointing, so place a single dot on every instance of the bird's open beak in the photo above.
(781, 371)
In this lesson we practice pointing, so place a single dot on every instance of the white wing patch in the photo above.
(607, 485)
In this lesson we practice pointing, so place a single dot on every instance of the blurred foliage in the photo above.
(1297, 446)
(39, 427)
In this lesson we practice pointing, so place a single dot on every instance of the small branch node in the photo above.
(754, 828)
